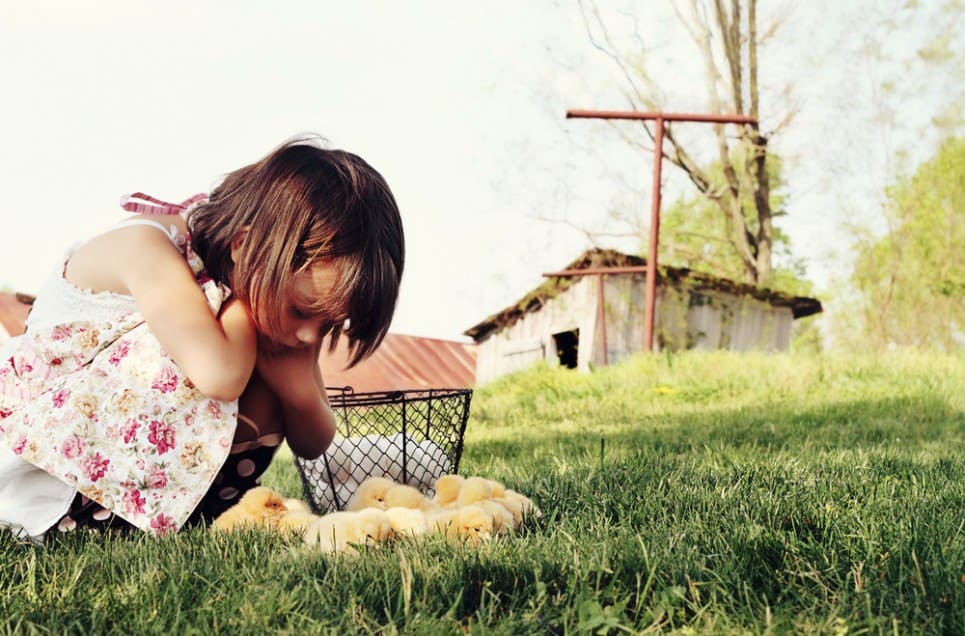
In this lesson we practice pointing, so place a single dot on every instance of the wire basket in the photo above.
(412, 437)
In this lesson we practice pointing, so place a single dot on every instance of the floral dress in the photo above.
(98, 405)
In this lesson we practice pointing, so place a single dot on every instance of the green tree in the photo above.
(910, 282)
(694, 235)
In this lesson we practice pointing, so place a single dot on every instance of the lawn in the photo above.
(700, 493)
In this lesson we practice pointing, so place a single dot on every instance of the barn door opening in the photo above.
(567, 345)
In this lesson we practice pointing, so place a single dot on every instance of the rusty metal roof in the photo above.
(404, 362)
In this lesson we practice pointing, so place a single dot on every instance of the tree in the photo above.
(695, 237)
(911, 281)
(904, 65)
(728, 38)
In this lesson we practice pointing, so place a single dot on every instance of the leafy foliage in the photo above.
(695, 235)
(911, 280)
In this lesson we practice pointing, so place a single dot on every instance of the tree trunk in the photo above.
(725, 32)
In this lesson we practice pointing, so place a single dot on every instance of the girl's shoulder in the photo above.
(98, 264)
(171, 225)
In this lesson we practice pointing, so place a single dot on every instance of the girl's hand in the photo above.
(295, 378)
(290, 373)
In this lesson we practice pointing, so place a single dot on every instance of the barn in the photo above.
(582, 320)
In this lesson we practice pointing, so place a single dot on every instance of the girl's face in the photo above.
(299, 326)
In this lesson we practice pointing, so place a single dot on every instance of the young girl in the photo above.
(167, 358)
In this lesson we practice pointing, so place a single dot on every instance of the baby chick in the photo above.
(294, 505)
(407, 521)
(297, 521)
(527, 508)
(447, 489)
(474, 489)
(260, 506)
(503, 519)
(402, 496)
(480, 491)
(472, 524)
(340, 531)
(370, 494)
(499, 490)
(298, 516)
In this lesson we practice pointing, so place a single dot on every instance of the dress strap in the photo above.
(170, 231)
(269, 440)
(145, 204)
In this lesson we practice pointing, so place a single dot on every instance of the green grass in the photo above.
(701, 493)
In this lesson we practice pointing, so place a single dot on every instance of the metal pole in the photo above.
(593, 271)
(660, 118)
(601, 313)
(706, 118)
(650, 302)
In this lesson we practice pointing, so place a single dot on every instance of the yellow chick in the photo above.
(260, 506)
(297, 520)
(503, 519)
(296, 505)
(407, 521)
(447, 489)
(474, 490)
(513, 507)
(480, 491)
(298, 516)
(370, 494)
(472, 524)
(499, 490)
(340, 532)
(403, 496)
(527, 507)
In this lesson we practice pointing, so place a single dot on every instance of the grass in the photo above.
(702, 493)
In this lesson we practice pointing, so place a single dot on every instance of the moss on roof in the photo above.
(599, 258)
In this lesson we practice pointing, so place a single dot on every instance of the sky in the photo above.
(460, 105)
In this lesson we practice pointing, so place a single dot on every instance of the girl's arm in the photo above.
(295, 378)
(216, 353)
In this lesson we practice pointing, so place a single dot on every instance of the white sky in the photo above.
(460, 104)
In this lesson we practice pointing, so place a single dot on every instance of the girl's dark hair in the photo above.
(301, 204)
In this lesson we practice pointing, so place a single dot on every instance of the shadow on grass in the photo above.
(852, 501)
(923, 424)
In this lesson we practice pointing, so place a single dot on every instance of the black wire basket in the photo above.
(412, 437)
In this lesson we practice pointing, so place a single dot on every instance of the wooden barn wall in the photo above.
(530, 339)
(685, 319)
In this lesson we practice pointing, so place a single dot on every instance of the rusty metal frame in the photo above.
(660, 118)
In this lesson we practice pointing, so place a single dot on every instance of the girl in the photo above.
(168, 357)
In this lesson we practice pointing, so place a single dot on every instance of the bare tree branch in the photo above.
(726, 35)
(729, 26)
(592, 236)
(610, 50)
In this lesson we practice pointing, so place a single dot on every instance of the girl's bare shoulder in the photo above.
(99, 264)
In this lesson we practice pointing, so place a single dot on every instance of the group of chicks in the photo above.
(468, 509)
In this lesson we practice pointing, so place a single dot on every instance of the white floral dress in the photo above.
(98, 405)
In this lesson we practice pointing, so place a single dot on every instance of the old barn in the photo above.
(580, 321)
